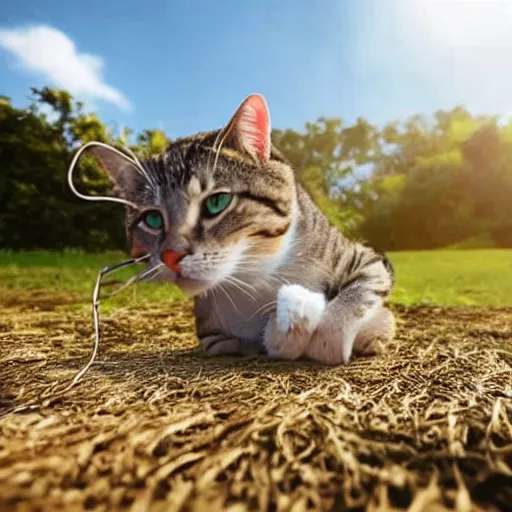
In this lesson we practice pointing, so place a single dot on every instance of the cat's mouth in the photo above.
(196, 273)
(189, 285)
(192, 286)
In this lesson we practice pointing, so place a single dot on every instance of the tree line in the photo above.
(427, 182)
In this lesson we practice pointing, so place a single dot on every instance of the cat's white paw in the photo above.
(298, 307)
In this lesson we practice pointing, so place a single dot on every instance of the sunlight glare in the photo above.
(465, 23)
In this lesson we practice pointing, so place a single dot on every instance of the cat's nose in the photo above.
(172, 259)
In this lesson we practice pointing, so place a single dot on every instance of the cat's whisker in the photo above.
(263, 309)
(209, 292)
(158, 271)
(156, 274)
(142, 170)
(139, 277)
(247, 263)
(276, 278)
(214, 148)
(217, 151)
(251, 270)
(228, 296)
(145, 175)
(237, 283)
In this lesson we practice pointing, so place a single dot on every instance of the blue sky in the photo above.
(185, 66)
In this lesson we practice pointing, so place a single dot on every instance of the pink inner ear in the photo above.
(253, 127)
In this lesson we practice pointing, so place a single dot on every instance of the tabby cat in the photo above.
(222, 215)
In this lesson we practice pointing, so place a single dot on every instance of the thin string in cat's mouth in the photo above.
(153, 271)
(147, 273)
(96, 302)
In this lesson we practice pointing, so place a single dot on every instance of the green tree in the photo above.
(422, 183)
(151, 142)
(38, 209)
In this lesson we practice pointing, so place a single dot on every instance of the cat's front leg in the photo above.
(212, 335)
(224, 345)
(375, 333)
(289, 329)
(340, 334)
(356, 320)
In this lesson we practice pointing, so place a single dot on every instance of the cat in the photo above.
(222, 216)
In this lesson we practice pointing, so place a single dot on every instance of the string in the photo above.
(105, 271)
(74, 161)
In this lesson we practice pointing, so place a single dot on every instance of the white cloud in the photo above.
(47, 51)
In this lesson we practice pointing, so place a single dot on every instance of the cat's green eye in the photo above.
(153, 219)
(216, 203)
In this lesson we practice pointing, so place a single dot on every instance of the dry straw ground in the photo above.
(156, 426)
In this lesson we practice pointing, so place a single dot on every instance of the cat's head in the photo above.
(213, 206)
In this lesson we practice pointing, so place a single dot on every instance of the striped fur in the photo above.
(258, 271)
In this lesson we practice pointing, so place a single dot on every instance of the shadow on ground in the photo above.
(157, 426)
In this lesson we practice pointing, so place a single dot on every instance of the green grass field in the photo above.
(454, 277)
(444, 277)
(75, 272)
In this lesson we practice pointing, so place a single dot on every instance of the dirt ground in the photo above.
(156, 426)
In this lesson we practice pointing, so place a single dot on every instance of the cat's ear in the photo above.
(249, 128)
(119, 167)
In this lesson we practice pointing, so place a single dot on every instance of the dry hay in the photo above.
(156, 426)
